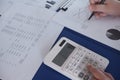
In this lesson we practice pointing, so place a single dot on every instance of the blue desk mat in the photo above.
(46, 73)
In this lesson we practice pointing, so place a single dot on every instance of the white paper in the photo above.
(5, 5)
(25, 38)
(43, 3)
(76, 18)
(76, 15)
(98, 30)
(38, 3)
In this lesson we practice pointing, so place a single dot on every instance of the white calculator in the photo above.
(71, 59)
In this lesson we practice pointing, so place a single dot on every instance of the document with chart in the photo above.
(24, 41)
(75, 13)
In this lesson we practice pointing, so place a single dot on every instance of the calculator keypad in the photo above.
(76, 64)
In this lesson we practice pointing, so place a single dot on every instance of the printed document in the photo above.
(105, 30)
(5, 5)
(25, 38)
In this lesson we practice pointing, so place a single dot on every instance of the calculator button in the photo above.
(80, 66)
(78, 60)
(70, 70)
(75, 64)
(86, 57)
(76, 72)
(86, 77)
(84, 62)
(101, 67)
(90, 61)
(81, 74)
(95, 64)
(66, 67)
(85, 70)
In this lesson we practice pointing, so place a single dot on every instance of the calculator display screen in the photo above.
(63, 54)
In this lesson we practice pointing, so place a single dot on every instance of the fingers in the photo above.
(94, 1)
(97, 73)
(98, 8)
(98, 15)
(93, 78)
(109, 75)
(103, 14)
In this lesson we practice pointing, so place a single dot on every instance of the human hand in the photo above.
(99, 74)
(110, 7)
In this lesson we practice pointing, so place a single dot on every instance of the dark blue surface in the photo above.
(46, 73)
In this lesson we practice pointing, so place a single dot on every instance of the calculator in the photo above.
(70, 59)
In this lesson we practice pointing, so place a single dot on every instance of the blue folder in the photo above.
(46, 73)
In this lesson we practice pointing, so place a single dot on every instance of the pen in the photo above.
(61, 5)
(101, 2)
(65, 7)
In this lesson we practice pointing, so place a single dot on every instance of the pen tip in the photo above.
(58, 10)
(89, 18)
